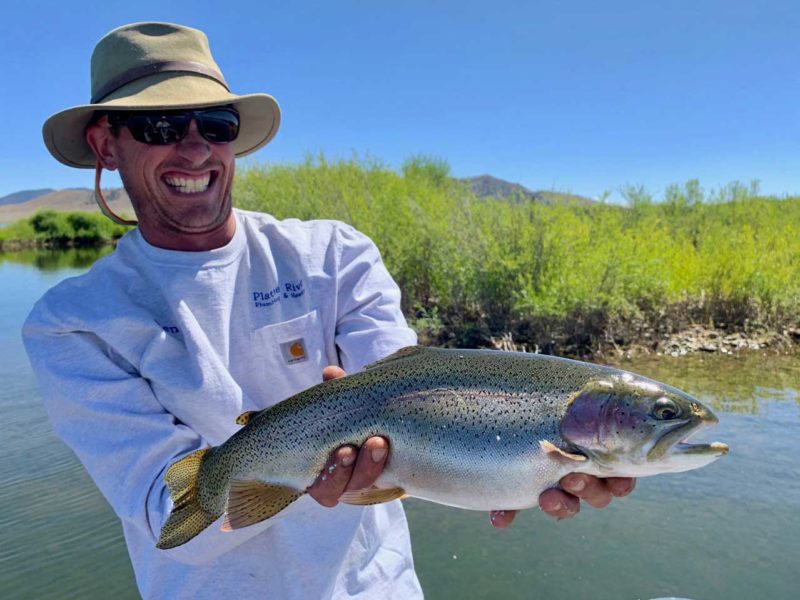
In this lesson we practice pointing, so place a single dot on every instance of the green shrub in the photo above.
(63, 229)
(489, 266)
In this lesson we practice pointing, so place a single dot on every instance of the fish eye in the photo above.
(666, 409)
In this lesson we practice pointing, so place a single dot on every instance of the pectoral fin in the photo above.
(250, 502)
(556, 452)
(373, 496)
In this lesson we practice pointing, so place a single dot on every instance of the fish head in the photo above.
(631, 426)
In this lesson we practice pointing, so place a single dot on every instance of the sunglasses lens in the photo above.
(219, 126)
(158, 129)
(216, 125)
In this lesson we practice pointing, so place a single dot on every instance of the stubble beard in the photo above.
(152, 212)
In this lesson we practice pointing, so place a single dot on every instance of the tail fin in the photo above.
(187, 518)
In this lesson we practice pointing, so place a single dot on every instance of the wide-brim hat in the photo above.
(146, 66)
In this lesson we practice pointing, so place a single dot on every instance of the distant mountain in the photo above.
(80, 199)
(22, 205)
(486, 186)
(23, 196)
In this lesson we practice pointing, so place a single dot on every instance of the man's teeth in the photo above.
(188, 186)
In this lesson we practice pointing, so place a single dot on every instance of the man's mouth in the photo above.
(188, 185)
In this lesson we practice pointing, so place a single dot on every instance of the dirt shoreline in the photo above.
(21, 245)
(696, 339)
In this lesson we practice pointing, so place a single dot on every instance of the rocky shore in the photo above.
(693, 340)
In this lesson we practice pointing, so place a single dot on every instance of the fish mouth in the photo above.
(676, 441)
(714, 448)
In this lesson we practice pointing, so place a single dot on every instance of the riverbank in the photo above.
(50, 229)
(571, 279)
(27, 245)
(693, 271)
(694, 340)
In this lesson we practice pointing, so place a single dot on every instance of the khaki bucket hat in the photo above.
(156, 65)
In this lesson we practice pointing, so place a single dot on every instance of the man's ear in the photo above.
(103, 143)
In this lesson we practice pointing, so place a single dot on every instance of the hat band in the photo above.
(151, 69)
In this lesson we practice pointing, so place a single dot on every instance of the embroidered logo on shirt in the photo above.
(288, 290)
(294, 351)
(267, 298)
(293, 289)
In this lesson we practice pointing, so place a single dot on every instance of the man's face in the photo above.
(181, 192)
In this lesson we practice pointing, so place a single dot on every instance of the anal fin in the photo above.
(252, 501)
(373, 495)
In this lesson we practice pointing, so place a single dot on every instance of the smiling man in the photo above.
(204, 312)
(177, 167)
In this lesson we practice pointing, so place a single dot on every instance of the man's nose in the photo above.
(194, 147)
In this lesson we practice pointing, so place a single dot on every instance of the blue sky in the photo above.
(579, 96)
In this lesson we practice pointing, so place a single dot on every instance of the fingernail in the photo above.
(577, 485)
(348, 459)
(378, 454)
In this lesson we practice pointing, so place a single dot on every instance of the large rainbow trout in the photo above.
(475, 429)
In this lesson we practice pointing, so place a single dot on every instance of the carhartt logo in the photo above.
(294, 351)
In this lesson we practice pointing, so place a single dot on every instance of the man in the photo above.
(203, 313)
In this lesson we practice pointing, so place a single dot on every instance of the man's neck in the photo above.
(192, 242)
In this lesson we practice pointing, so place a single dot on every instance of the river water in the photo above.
(728, 531)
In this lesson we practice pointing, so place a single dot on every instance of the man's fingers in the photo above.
(621, 486)
(332, 372)
(592, 490)
(502, 518)
(331, 483)
(371, 459)
(557, 503)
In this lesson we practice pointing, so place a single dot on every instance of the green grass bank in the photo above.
(568, 278)
(54, 229)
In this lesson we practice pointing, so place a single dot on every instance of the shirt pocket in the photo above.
(291, 356)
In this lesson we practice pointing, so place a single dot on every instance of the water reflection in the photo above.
(735, 384)
(729, 530)
(55, 259)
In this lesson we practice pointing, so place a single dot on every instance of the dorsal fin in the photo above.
(245, 417)
(402, 353)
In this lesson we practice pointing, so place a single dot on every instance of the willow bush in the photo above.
(472, 268)
(62, 229)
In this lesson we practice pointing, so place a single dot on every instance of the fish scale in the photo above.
(475, 429)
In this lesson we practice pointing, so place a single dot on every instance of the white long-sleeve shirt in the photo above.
(153, 353)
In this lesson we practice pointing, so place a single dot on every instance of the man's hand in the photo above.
(349, 468)
(565, 502)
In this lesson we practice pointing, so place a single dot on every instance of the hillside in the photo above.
(486, 186)
(21, 205)
(66, 201)
(23, 196)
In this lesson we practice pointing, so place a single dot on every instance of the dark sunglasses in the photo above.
(164, 127)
